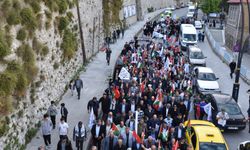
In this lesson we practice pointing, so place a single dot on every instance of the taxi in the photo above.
(203, 135)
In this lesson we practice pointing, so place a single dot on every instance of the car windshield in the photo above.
(212, 146)
(196, 55)
(207, 76)
(230, 108)
(190, 37)
(191, 10)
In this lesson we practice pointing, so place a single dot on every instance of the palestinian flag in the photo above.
(142, 87)
(198, 110)
(158, 102)
(115, 130)
(189, 127)
(163, 134)
(137, 138)
(176, 145)
(116, 93)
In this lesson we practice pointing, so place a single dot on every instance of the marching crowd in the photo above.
(146, 104)
(150, 97)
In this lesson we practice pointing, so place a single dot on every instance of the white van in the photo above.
(188, 35)
(191, 9)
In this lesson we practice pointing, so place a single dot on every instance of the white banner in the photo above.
(125, 12)
(124, 74)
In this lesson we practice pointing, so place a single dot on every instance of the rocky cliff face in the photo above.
(43, 54)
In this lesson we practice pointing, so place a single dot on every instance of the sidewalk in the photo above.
(94, 82)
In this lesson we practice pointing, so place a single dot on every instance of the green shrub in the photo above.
(47, 25)
(8, 38)
(35, 6)
(48, 14)
(21, 85)
(63, 24)
(56, 65)
(21, 35)
(51, 4)
(31, 71)
(16, 5)
(62, 6)
(6, 5)
(68, 45)
(26, 53)
(13, 17)
(70, 15)
(3, 125)
(30, 134)
(28, 19)
(36, 45)
(14, 67)
(4, 47)
(45, 51)
(8, 83)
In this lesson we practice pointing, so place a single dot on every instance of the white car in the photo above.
(206, 80)
(190, 15)
(244, 145)
(172, 8)
(195, 56)
(198, 25)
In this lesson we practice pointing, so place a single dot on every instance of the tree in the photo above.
(210, 6)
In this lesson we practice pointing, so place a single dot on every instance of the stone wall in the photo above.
(54, 74)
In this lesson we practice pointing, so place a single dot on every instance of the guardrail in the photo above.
(226, 56)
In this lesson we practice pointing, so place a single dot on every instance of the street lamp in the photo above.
(236, 86)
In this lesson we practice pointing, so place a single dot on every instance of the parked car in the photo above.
(237, 120)
(206, 80)
(244, 145)
(198, 24)
(172, 8)
(190, 15)
(195, 56)
(203, 135)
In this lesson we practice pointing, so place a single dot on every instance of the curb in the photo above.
(225, 56)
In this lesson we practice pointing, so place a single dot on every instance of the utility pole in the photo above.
(81, 33)
(236, 86)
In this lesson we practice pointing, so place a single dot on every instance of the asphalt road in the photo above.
(226, 84)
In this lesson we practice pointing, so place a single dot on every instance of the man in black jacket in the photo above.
(78, 85)
(93, 104)
(232, 66)
(98, 133)
(64, 112)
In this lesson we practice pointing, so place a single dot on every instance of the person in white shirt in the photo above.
(63, 128)
(168, 120)
(222, 118)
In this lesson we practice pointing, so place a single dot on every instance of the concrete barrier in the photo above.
(226, 56)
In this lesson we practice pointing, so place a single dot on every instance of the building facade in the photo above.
(234, 24)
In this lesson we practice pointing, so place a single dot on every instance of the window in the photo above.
(190, 37)
(193, 138)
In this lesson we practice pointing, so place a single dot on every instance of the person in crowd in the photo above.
(93, 104)
(110, 141)
(128, 139)
(64, 144)
(179, 132)
(98, 133)
(46, 127)
(105, 104)
(78, 85)
(232, 67)
(108, 55)
(119, 145)
(64, 112)
(71, 87)
(222, 118)
(52, 112)
(63, 128)
(79, 135)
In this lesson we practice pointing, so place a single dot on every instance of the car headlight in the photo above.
(244, 120)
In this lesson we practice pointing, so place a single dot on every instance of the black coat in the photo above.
(101, 133)
(68, 145)
(105, 104)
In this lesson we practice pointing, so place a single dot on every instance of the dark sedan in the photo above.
(237, 120)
